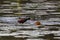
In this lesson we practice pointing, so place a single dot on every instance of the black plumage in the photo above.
(23, 20)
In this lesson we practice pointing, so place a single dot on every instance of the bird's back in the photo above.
(23, 20)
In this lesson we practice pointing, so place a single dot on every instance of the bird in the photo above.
(23, 20)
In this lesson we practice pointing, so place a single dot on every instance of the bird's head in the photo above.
(28, 18)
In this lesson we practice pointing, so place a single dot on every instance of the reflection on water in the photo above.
(50, 30)
(24, 33)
